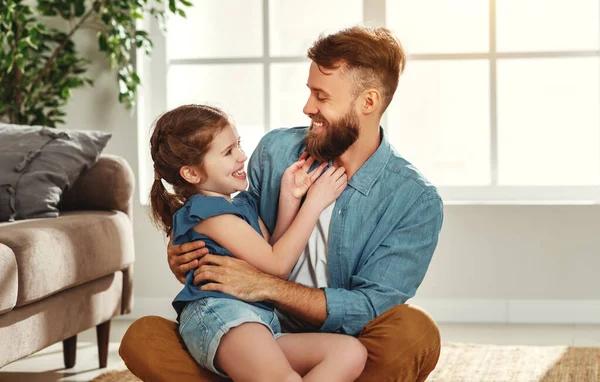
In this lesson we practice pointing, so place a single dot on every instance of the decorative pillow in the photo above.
(37, 164)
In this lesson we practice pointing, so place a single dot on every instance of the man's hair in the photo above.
(372, 56)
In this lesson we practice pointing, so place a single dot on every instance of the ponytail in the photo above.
(181, 137)
(164, 204)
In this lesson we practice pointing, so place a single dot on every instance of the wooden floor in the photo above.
(47, 365)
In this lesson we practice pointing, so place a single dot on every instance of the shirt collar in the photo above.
(369, 172)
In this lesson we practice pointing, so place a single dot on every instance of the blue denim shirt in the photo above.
(383, 231)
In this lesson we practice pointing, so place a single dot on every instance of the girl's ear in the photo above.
(191, 174)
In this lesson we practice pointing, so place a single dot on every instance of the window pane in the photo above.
(289, 94)
(238, 89)
(212, 29)
(440, 26)
(294, 25)
(439, 120)
(548, 122)
(543, 25)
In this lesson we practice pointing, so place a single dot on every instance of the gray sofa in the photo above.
(60, 276)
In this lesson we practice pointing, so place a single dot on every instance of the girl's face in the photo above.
(224, 165)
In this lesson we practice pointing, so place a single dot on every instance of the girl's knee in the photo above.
(292, 376)
(354, 357)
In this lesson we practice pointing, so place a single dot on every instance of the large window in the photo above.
(500, 99)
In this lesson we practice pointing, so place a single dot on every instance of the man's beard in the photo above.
(334, 138)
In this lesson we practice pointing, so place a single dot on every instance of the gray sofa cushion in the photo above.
(76, 247)
(37, 164)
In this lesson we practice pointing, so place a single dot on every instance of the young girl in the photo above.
(196, 149)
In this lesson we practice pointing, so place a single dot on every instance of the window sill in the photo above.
(521, 202)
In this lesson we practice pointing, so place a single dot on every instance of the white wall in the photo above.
(516, 263)
(493, 263)
(98, 108)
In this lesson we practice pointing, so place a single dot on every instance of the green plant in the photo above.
(39, 65)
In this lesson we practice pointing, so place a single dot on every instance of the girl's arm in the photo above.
(288, 209)
(239, 238)
(295, 182)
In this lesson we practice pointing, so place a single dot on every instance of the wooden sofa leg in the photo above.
(70, 351)
(103, 334)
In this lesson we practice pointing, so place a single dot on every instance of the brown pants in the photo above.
(403, 345)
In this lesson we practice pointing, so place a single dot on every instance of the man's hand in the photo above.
(234, 277)
(184, 257)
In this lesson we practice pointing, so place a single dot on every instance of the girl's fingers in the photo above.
(339, 172)
(309, 162)
(342, 181)
(303, 156)
(330, 171)
(314, 174)
(297, 166)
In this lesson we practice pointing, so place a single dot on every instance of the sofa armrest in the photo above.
(108, 185)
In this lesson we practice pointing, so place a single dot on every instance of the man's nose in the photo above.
(310, 108)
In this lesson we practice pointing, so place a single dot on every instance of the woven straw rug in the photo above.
(490, 363)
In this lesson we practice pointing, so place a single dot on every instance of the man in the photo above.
(370, 250)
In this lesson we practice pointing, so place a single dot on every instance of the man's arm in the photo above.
(389, 277)
(392, 274)
(307, 304)
(238, 278)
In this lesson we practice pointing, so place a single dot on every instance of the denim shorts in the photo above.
(204, 322)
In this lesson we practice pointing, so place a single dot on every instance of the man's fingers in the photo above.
(214, 260)
(215, 287)
(190, 256)
(178, 250)
(208, 273)
(303, 156)
(185, 268)
(203, 268)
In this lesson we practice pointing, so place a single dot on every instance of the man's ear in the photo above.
(191, 174)
(372, 101)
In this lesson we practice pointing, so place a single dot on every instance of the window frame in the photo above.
(152, 71)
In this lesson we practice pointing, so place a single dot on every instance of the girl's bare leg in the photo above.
(250, 353)
(324, 357)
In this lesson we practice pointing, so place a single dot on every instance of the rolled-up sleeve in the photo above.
(392, 273)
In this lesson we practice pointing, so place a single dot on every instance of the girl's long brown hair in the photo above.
(181, 137)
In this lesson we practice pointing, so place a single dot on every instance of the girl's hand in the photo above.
(297, 180)
(328, 187)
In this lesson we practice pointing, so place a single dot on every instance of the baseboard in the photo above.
(148, 306)
(501, 311)
(512, 311)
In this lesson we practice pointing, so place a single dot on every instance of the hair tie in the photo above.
(156, 175)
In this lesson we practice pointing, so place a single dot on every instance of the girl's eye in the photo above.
(228, 152)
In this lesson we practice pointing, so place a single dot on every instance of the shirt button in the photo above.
(339, 212)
